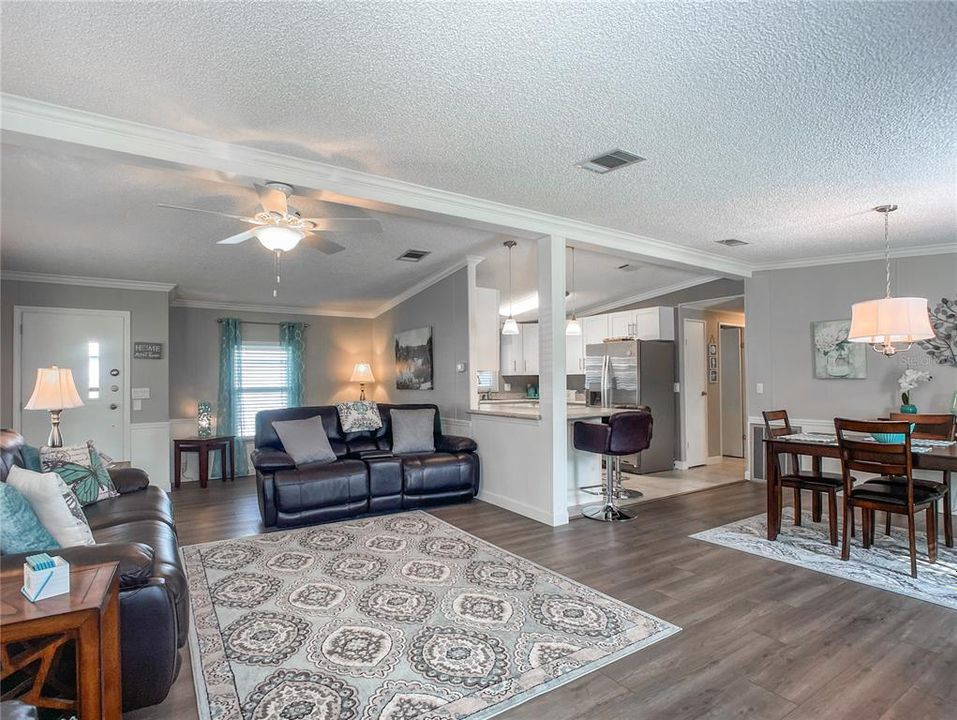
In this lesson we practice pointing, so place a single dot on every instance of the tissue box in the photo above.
(44, 582)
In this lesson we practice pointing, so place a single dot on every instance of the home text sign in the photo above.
(147, 351)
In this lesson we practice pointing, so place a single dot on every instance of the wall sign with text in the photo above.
(147, 351)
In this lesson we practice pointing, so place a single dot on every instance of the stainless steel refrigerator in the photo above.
(633, 374)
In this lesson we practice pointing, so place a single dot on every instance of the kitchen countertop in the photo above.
(576, 411)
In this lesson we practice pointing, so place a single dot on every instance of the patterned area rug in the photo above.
(885, 565)
(400, 617)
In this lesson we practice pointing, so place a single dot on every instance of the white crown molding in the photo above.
(275, 309)
(27, 118)
(647, 295)
(420, 286)
(114, 283)
(919, 251)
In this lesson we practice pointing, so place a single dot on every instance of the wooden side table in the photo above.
(225, 444)
(88, 614)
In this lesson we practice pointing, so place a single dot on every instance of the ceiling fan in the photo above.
(279, 227)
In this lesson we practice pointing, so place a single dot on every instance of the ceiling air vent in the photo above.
(628, 267)
(614, 160)
(731, 242)
(413, 255)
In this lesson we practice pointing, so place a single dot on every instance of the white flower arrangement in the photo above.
(909, 380)
(830, 338)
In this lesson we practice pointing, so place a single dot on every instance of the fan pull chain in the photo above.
(275, 290)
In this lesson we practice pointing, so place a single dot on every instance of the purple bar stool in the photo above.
(625, 433)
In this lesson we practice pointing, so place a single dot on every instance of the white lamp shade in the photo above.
(510, 327)
(278, 237)
(890, 320)
(362, 372)
(573, 327)
(54, 390)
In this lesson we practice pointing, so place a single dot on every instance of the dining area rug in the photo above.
(397, 617)
(886, 565)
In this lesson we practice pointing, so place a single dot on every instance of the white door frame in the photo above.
(685, 404)
(19, 310)
(744, 388)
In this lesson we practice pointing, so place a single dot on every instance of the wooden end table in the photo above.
(88, 614)
(225, 444)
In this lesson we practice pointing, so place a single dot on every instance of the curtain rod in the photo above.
(257, 322)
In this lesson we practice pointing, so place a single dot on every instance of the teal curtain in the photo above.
(292, 336)
(227, 412)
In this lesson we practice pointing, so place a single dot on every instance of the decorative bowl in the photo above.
(891, 438)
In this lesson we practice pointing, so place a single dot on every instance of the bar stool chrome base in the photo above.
(606, 513)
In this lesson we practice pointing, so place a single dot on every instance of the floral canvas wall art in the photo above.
(835, 358)
(943, 346)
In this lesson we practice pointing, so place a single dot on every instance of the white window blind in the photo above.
(485, 379)
(262, 382)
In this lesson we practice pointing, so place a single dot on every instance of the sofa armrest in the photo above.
(135, 560)
(128, 480)
(270, 460)
(454, 444)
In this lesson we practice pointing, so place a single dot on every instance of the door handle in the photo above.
(113, 406)
(703, 393)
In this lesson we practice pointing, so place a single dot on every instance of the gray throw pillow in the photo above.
(305, 440)
(412, 431)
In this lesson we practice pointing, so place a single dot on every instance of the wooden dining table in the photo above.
(942, 458)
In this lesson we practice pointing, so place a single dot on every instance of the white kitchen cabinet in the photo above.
(512, 359)
(621, 324)
(530, 348)
(655, 323)
(574, 355)
(594, 329)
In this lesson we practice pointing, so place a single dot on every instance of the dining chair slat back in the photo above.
(930, 426)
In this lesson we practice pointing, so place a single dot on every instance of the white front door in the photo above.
(94, 344)
(696, 394)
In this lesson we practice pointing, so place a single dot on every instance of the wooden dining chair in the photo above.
(860, 453)
(930, 427)
(776, 424)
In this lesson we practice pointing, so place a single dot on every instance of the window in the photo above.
(93, 371)
(262, 382)
(485, 379)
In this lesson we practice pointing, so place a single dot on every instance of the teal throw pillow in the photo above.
(81, 468)
(20, 528)
(31, 458)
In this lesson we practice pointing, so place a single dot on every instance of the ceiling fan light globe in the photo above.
(278, 237)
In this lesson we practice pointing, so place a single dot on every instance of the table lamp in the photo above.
(362, 374)
(204, 419)
(54, 391)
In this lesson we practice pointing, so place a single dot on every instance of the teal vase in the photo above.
(909, 409)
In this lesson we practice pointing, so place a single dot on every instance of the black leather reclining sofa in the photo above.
(364, 478)
(137, 531)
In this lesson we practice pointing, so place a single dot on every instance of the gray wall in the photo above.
(444, 307)
(333, 346)
(149, 322)
(782, 304)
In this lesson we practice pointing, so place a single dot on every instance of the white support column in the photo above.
(473, 261)
(551, 377)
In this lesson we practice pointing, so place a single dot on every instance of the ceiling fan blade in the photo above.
(322, 244)
(358, 225)
(272, 200)
(236, 239)
(208, 212)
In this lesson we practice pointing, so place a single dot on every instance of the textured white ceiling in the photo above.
(777, 123)
(95, 216)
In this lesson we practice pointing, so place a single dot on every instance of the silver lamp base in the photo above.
(56, 439)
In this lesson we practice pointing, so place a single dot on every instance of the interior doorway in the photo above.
(731, 388)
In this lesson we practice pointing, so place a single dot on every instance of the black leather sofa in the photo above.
(137, 531)
(364, 478)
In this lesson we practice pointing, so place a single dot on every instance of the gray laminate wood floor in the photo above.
(760, 639)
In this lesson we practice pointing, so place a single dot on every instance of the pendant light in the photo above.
(889, 322)
(573, 327)
(510, 327)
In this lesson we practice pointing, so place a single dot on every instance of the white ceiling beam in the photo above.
(24, 119)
